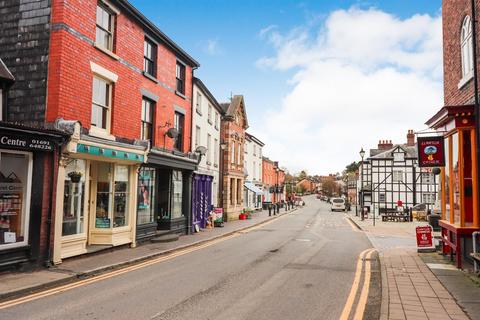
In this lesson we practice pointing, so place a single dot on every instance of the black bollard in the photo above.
(269, 210)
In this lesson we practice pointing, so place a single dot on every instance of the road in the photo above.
(300, 266)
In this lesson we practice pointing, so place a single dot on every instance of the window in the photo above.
(180, 74)
(254, 149)
(101, 103)
(397, 176)
(210, 113)
(149, 58)
(1, 104)
(216, 120)
(254, 171)
(177, 182)
(147, 120)
(198, 105)
(74, 196)
(178, 123)
(215, 152)
(233, 153)
(466, 47)
(197, 136)
(428, 198)
(112, 195)
(16, 171)
(427, 178)
(232, 190)
(239, 191)
(209, 149)
(381, 197)
(105, 23)
(239, 153)
(146, 196)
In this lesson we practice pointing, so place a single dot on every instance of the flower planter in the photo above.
(75, 177)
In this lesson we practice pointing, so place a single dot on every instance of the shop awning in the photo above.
(250, 186)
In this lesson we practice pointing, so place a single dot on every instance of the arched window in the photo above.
(467, 47)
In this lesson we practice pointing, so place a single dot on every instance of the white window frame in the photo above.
(209, 116)
(209, 148)
(466, 50)
(198, 136)
(28, 195)
(395, 175)
(108, 127)
(215, 152)
(114, 12)
(216, 120)
(198, 104)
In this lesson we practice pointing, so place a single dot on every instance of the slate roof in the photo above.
(231, 108)
(5, 74)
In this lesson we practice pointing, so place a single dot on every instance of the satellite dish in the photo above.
(201, 150)
(172, 133)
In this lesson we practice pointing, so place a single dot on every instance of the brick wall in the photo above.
(268, 173)
(453, 13)
(24, 38)
(70, 75)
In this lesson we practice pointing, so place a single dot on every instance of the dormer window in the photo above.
(399, 157)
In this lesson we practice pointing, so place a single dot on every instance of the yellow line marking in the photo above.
(362, 301)
(356, 282)
(354, 227)
(70, 286)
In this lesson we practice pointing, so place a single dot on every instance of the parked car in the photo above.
(338, 204)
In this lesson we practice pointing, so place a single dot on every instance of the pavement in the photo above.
(14, 284)
(302, 265)
(418, 285)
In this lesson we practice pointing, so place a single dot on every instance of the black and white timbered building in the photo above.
(391, 174)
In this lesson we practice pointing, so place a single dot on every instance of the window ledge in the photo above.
(199, 112)
(178, 93)
(100, 133)
(210, 121)
(149, 76)
(106, 51)
(466, 79)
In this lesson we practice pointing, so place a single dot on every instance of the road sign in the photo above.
(424, 237)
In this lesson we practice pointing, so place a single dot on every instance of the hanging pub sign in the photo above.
(11, 141)
(431, 151)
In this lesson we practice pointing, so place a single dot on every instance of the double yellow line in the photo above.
(362, 301)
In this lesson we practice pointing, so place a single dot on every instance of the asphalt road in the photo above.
(301, 266)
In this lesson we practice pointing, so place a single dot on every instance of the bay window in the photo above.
(74, 197)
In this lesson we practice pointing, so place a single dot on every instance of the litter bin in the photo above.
(433, 221)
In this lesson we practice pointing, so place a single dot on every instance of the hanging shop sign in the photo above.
(431, 151)
(12, 141)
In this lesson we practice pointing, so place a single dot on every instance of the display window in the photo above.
(446, 181)
(15, 185)
(146, 196)
(177, 184)
(74, 198)
(112, 195)
(456, 179)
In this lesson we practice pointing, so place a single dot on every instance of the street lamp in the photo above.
(362, 155)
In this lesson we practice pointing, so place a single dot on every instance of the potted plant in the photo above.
(75, 176)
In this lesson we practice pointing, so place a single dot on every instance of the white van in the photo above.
(338, 204)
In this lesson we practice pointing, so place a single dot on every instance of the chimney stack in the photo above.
(410, 138)
(385, 144)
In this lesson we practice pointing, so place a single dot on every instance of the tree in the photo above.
(352, 167)
(329, 187)
(302, 175)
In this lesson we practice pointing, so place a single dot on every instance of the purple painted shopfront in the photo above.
(202, 199)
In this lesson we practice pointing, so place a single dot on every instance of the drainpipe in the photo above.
(475, 89)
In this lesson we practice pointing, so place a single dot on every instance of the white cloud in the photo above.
(212, 47)
(364, 75)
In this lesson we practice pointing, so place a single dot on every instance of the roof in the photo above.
(446, 113)
(411, 152)
(231, 108)
(5, 74)
(209, 95)
(253, 138)
(52, 133)
(154, 31)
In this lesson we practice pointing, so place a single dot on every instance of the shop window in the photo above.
(232, 191)
(239, 191)
(149, 58)
(456, 179)
(146, 196)
(177, 186)
(74, 197)
(112, 195)
(15, 184)
(101, 103)
(467, 177)
(446, 181)
(104, 29)
(147, 120)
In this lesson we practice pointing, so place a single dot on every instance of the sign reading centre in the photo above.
(431, 151)
(9, 141)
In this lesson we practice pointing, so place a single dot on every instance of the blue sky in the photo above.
(226, 38)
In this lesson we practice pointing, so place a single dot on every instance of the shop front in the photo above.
(459, 180)
(96, 196)
(28, 159)
(253, 196)
(165, 194)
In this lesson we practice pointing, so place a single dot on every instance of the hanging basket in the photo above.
(75, 177)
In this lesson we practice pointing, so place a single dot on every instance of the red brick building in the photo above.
(273, 179)
(456, 122)
(234, 125)
(121, 88)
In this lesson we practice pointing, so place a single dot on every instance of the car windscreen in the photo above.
(338, 201)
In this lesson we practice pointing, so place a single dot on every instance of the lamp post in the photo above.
(362, 154)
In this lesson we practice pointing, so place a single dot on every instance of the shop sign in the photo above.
(10, 141)
(431, 151)
(424, 237)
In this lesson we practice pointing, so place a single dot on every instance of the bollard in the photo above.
(269, 210)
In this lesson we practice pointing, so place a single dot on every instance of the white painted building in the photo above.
(253, 171)
(206, 121)
(391, 174)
